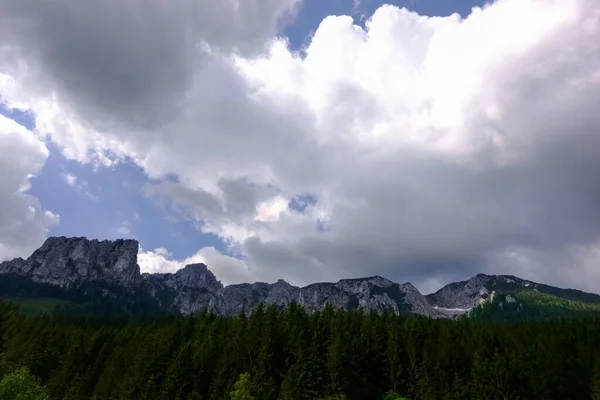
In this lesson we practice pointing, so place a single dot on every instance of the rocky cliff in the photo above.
(195, 287)
(460, 297)
(189, 290)
(66, 262)
(69, 262)
(110, 267)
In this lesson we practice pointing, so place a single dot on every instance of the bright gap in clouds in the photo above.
(106, 203)
(418, 148)
(312, 12)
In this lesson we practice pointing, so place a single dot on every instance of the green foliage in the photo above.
(595, 384)
(391, 395)
(547, 300)
(39, 305)
(89, 302)
(242, 389)
(528, 304)
(288, 354)
(21, 385)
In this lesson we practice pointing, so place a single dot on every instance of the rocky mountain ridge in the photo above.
(480, 289)
(70, 262)
(65, 262)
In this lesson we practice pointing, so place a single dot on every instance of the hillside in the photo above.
(531, 304)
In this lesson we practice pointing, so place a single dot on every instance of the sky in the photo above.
(308, 140)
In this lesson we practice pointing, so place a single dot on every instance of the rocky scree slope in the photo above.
(70, 262)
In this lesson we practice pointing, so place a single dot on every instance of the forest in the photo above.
(290, 354)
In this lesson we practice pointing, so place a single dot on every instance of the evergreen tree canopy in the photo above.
(274, 354)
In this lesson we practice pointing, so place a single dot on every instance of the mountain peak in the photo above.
(67, 262)
(198, 275)
(70, 262)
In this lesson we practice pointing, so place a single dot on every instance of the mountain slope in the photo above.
(490, 292)
(531, 304)
(107, 271)
(103, 277)
(68, 262)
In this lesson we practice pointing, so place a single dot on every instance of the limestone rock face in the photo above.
(66, 262)
(477, 290)
(69, 262)
(462, 295)
(247, 296)
(189, 290)
(370, 294)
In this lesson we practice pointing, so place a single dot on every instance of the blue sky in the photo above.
(108, 203)
(313, 12)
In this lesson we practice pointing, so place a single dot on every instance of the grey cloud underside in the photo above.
(238, 198)
(129, 64)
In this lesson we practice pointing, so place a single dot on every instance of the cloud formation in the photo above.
(227, 269)
(435, 148)
(23, 221)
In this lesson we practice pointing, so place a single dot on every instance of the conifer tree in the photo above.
(595, 384)
(243, 388)
(21, 385)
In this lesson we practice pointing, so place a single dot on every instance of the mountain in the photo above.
(66, 262)
(531, 304)
(194, 288)
(488, 296)
(77, 269)
(91, 277)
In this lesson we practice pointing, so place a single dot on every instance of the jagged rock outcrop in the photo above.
(465, 295)
(73, 262)
(69, 262)
(66, 262)
(189, 290)
(246, 296)
(462, 295)
(370, 294)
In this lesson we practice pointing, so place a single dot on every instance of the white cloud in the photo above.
(271, 210)
(23, 221)
(432, 145)
(124, 229)
(71, 180)
(80, 186)
(227, 269)
(161, 251)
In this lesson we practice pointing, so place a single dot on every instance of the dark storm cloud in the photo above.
(127, 64)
